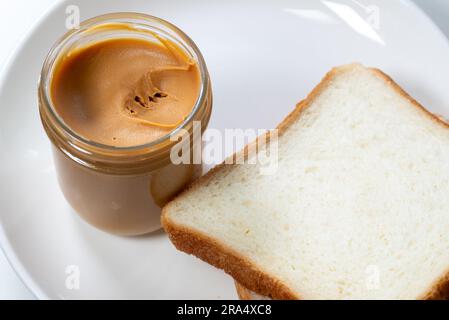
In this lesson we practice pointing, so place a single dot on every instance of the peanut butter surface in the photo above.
(125, 92)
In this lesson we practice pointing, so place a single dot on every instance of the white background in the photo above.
(17, 17)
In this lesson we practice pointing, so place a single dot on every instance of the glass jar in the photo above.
(121, 189)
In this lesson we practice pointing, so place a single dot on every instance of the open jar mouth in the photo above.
(120, 159)
(134, 25)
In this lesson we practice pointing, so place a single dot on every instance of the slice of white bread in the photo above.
(358, 208)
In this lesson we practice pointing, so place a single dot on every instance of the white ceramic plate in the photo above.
(263, 56)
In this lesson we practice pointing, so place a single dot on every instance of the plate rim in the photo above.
(5, 245)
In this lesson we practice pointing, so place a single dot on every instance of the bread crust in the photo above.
(223, 257)
(246, 294)
(250, 277)
(242, 292)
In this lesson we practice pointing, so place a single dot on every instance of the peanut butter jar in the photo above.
(114, 95)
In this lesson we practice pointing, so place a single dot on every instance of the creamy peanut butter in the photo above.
(125, 92)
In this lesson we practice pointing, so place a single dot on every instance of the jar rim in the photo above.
(131, 19)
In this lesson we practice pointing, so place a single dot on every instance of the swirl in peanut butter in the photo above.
(125, 92)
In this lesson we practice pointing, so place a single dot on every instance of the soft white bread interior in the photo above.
(357, 209)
